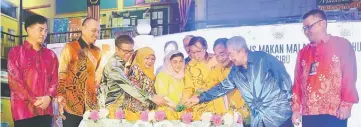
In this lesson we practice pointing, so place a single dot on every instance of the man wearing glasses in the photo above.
(115, 84)
(196, 73)
(324, 87)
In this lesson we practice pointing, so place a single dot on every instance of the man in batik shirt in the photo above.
(33, 77)
(79, 61)
(115, 84)
(263, 82)
(324, 88)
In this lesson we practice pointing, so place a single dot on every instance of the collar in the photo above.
(119, 59)
(326, 38)
(322, 41)
(250, 60)
(27, 45)
(83, 44)
(251, 57)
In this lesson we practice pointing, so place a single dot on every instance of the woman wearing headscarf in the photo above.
(141, 75)
(170, 82)
(169, 46)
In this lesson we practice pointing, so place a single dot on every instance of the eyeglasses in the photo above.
(306, 28)
(196, 52)
(126, 51)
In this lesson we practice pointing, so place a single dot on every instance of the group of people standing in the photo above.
(254, 83)
(130, 83)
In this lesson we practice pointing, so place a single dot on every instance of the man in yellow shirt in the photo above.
(233, 100)
(196, 72)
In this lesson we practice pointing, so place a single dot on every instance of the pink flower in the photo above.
(119, 114)
(94, 115)
(160, 115)
(216, 120)
(240, 119)
(144, 116)
(187, 118)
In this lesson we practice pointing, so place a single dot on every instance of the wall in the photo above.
(6, 111)
(47, 12)
(13, 23)
(200, 10)
(107, 12)
(255, 9)
(9, 22)
(120, 7)
(200, 13)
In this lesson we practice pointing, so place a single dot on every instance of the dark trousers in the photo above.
(37, 121)
(287, 123)
(322, 121)
(71, 120)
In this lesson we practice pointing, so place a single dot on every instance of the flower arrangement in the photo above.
(119, 114)
(160, 116)
(95, 115)
(217, 120)
(187, 118)
(151, 118)
(144, 116)
(229, 119)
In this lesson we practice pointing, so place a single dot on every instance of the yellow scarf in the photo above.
(142, 53)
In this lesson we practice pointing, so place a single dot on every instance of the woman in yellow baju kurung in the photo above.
(170, 83)
(196, 72)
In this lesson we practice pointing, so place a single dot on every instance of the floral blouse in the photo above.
(145, 84)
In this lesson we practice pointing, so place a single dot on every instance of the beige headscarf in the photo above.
(168, 69)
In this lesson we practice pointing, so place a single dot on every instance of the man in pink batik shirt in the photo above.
(324, 88)
(33, 77)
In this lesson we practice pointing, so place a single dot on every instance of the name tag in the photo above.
(314, 67)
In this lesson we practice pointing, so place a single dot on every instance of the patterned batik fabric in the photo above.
(331, 83)
(78, 64)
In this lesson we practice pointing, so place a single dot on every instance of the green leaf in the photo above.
(180, 108)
